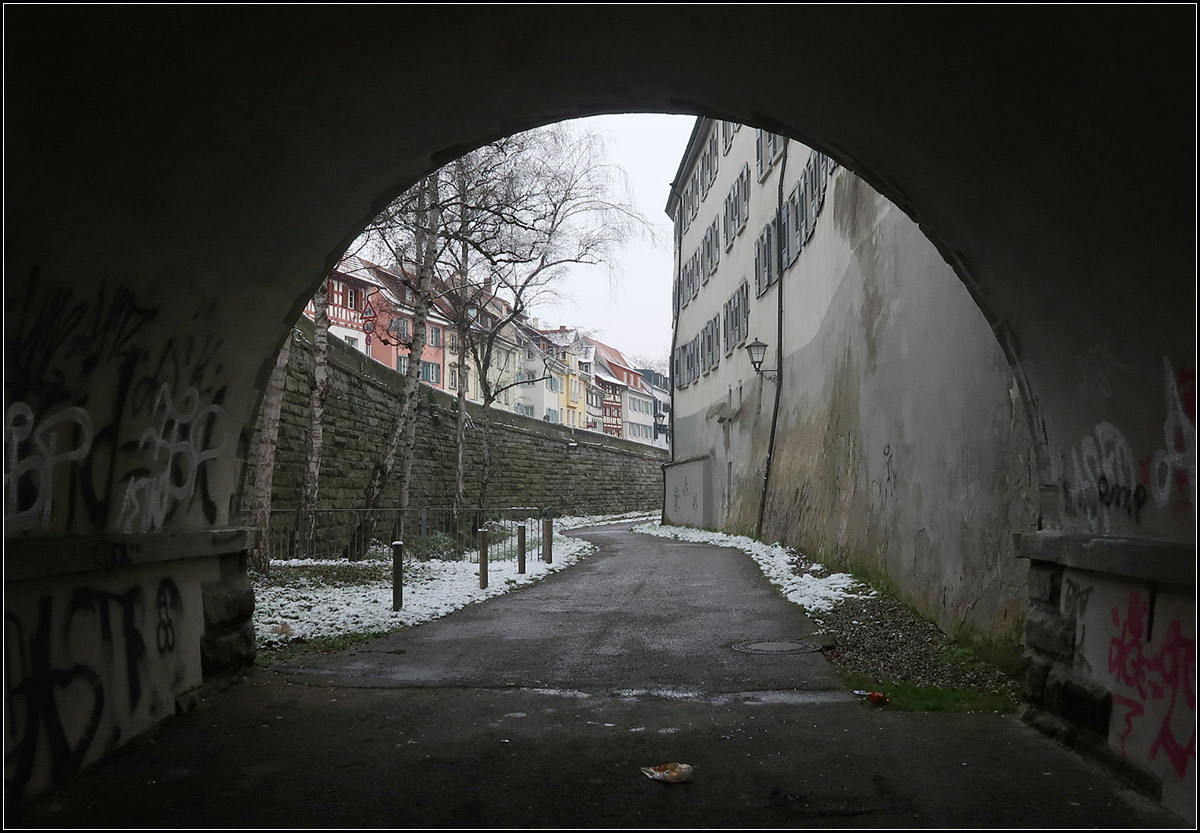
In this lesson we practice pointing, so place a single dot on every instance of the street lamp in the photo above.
(758, 352)
(660, 423)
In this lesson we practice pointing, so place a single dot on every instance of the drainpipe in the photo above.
(762, 500)
(671, 362)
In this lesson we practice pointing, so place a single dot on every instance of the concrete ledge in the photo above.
(1169, 562)
(35, 558)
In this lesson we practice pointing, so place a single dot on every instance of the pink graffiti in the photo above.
(1167, 673)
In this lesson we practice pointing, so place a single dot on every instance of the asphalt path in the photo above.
(540, 707)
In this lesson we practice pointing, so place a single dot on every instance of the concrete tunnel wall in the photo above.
(179, 180)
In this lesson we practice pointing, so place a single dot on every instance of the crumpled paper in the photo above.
(669, 772)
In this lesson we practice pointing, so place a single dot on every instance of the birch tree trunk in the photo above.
(262, 461)
(303, 535)
(460, 433)
(401, 438)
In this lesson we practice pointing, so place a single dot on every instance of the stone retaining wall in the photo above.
(535, 463)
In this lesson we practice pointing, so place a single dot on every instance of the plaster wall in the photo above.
(902, 448)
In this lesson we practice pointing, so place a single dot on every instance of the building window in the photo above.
(431, 372)
(728, 128)
(435, 336)
(453, 378)
(350, 298)
(798, 202)
(353, 342)
(399, 328)
(764, 260)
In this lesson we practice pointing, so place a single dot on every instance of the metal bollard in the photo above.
(397, 575)
(521, 549)
(483, 565)
(547, 541)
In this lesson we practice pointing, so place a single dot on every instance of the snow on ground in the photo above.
(306, 608)
(808, 589)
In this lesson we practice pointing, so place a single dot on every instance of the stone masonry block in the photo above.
(1079, 700)
(1048, 633)
(230, 601)
(226, 651)
(1045, 583)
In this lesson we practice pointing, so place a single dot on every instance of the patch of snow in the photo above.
(810, 592)
(309, 610)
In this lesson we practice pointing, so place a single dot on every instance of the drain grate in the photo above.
(776, 647)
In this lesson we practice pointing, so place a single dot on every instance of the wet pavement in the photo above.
(540, 707)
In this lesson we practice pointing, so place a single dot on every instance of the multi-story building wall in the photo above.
(660, 389)
(371, 309)
(487, 319)
(628, 401)
(879, 430)
(573, 352)
(540, 373)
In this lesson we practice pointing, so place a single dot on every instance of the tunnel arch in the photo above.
(218, 162)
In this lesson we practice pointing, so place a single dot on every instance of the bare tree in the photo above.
(261, 460)
(302, 535)
(408, 231)
(486, 237)
(525, 210)
(661, 365)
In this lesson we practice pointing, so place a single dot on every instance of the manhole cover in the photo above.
(776, 647)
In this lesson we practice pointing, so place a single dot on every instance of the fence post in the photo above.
(397, 575)
(521, 549)
(424, 554)
(547, 539)
(483, 554)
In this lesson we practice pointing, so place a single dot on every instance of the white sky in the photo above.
(633, 314)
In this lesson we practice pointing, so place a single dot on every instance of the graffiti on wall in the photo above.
(41, 674)
(1166, 675)
(109, 428)
(1075, 605)
(180, 443)
(1108, 479)
(1103, 463)
(34, 453)
(1097, 367)
(886, 487)
(1174, 465)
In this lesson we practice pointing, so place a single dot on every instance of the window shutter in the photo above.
(745, 196)
(785, 211)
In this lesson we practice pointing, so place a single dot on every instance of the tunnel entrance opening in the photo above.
(207, 216)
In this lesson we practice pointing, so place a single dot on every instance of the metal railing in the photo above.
(427, 533)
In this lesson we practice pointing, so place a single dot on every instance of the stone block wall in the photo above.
(534, 463)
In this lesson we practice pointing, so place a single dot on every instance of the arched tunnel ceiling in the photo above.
(230, 153)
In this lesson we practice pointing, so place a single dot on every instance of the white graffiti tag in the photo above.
(36, 468)
(1103, 462)
(178, 445)
(1179, 434)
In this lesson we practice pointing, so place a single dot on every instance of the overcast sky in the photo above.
(634, 313)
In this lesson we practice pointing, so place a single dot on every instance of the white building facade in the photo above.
(883, 432)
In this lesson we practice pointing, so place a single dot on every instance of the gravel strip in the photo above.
(883, 638)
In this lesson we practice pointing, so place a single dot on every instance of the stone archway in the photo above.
(178, 180)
